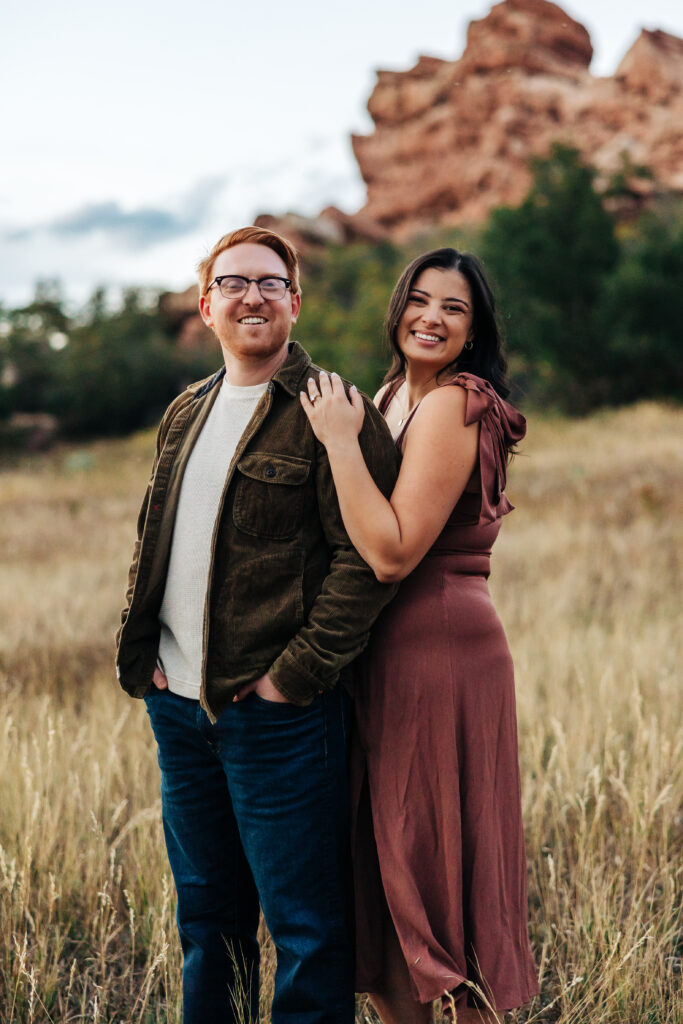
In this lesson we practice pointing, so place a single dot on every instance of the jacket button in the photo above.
(270, 470)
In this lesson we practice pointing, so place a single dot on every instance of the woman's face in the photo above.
(437, 320)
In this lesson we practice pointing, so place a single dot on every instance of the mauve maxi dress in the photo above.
(437, 828)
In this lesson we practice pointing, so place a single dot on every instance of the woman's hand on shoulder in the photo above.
(335, 418)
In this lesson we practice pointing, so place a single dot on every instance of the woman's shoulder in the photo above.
(444, 400)
(452, 400)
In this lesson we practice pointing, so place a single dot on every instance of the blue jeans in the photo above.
(255, 808)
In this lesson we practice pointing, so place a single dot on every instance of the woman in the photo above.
(438, 845)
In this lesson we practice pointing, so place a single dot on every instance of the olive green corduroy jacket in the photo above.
(287, 591)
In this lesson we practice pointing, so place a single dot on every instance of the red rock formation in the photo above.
(330, 227)
(179, 312)
(454, 139)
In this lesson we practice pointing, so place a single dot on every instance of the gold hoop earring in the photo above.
(469, 345)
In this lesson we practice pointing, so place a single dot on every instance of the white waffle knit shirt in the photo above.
(182, 609)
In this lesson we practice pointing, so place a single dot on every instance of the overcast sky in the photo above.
(134, 135)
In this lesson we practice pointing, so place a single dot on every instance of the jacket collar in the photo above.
(202, 387)
(293, 369)
(288, 376)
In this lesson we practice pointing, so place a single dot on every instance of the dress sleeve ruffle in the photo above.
(501, 427)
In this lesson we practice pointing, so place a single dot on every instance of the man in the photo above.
(245, 607)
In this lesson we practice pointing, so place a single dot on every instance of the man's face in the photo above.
(251, 327)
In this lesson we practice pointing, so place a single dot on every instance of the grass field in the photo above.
(587, 578)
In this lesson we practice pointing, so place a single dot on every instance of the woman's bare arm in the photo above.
(440, 453)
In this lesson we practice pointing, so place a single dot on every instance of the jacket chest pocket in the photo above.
(269, 495)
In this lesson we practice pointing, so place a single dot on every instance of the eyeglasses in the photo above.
(233, 286)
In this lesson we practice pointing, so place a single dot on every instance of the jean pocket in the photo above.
(272, 703)
(280, 707)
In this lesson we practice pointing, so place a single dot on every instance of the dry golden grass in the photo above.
(587, 580)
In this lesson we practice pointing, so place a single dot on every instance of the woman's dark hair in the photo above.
(485, 358)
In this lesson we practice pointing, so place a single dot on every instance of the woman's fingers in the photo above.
(336, 385)
(355, 399)
(333, 415)
(328, 387)
(331, 384)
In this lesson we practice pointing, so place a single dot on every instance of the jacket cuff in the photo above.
(294, 682)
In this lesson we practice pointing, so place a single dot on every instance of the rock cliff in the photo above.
(454, 139)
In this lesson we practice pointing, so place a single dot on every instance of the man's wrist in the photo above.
(266, 688)
(294, 682)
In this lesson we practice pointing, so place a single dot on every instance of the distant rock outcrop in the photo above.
(179, 314)
(454, 139)
(330, 227)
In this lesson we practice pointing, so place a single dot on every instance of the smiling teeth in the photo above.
(253, 320)
(427, 337)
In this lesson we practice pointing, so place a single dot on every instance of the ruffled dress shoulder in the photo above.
(501, 428)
